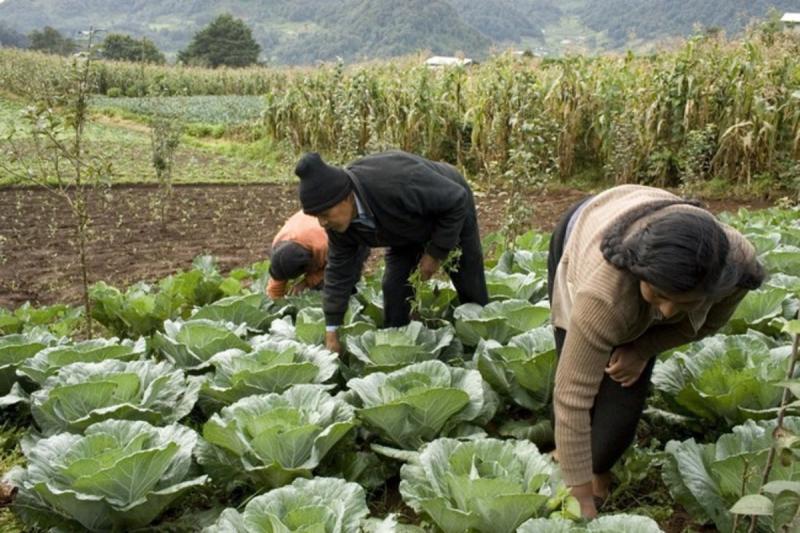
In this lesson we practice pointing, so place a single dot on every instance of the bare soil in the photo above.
(234, 223)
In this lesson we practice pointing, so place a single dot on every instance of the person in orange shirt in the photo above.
(299, 249)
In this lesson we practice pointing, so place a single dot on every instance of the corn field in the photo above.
(21, 68)
(711, 109)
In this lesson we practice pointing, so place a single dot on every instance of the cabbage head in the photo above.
(497, 321)
(15, 349)
(49, 361)
(274, 365)
(190, 344)
(524, 369)
(416, 404)
(724, 379)
(84, 393)
(324, 505)
(708, 479)
(253, 310)
(484, 485)
(120, 475)
(619, 523)
(389, 349)
(271, 439)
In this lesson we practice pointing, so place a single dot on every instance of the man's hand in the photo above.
(428, 267)
(625, 365)
(585, 496)
(332, 342)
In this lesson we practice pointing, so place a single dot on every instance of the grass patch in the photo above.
(10, 456)
(124, 138)
(190, 109)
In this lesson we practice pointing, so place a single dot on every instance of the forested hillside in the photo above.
(305, 31)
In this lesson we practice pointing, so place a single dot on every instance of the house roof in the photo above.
(444, 61)
(791, 17)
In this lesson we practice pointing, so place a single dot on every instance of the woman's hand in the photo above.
(585, 496)
(625, 365)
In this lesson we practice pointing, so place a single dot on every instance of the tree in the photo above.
(226, 41)
(120, 47)
(51, 41)
(11, 38)
(48, 148)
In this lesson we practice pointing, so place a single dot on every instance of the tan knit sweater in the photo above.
(601, 307)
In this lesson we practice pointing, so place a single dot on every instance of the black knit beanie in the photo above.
(321, 186)
(289, 260)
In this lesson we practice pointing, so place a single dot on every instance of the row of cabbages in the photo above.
(109, 453)
(276, 408)
(120, 475)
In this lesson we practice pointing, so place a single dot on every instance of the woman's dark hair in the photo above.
(678, 251)
(289, 260)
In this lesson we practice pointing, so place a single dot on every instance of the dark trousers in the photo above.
(469, 280)
(617, 409)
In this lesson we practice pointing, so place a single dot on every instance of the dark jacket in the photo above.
(412, 201)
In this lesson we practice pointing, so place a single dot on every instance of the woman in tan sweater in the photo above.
(633, 271)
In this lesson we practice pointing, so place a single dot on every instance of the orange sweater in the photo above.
(305, 231)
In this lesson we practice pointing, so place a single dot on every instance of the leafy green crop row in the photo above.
(219, 388)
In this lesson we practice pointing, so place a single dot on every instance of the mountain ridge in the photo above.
(306, 31)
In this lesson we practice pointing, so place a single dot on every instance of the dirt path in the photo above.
(233, 223)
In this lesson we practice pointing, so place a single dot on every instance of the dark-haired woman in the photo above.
(633, 271)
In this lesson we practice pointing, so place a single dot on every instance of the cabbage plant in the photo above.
(269, 440)
(15, 349)
(484, 486)
(524, 369)
(417, 403)
(708, 479)
(309, 324)
(392, 348)
(49, 361)
(120, 475)
(273, 365)
(434, 299)
(724, 379)
(765, 310)
(619, 523)
(524, 262)
(142, 308)
(84, 393)
(507, 286)
(784, 258)
(253, 310)
(59, 319)
(498, 321)
(324, 505)
(190, 344)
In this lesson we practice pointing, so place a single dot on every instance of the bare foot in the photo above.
(7, 494)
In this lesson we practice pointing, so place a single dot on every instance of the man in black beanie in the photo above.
(419, 209)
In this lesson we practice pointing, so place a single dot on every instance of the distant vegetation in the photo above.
(306, 31)
(226, 41)
(712, 113)
(119, 47)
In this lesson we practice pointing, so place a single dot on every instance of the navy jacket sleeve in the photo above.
(341, 275)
